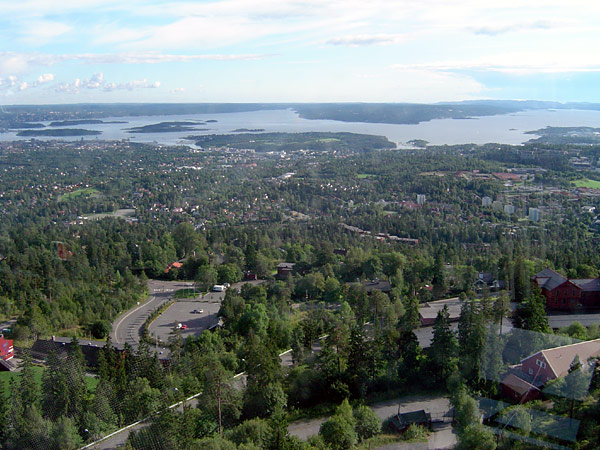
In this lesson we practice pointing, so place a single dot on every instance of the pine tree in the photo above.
(74, 374)
(54, 388)
(501, 308)
(4, 405)
(471, 340)
(444, 346)
(30, 391)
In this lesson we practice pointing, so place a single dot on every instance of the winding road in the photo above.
(127, 328)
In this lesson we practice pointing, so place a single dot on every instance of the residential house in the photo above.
(518, 389)
(377, 285)
(554, 363)
(284, 269)
(546, 365)
(568, 294)
(7, 352)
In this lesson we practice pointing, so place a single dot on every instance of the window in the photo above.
(540, 363)
(531, 371)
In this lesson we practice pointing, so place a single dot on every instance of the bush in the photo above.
(338, 433)
(100, 329)
(367, 422)
(415, 432)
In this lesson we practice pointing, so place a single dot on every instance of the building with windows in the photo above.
(554, 363)
(7, 350)
(535, 214)
(568, 294)
(546, 365)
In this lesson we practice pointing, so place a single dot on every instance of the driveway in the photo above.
(441, 437)
(128, 325)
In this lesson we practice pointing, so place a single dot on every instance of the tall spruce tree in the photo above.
(471, 339)
(444, 347)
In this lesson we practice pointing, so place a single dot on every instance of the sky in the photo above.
(422, 51)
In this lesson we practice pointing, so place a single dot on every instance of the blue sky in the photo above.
(298, 50)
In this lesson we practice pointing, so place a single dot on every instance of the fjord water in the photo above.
(505, 129)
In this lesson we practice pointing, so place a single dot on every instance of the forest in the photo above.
(222, 211)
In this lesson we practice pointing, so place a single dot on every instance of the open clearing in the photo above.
(587, 183)
(6, 377)
(85, 192)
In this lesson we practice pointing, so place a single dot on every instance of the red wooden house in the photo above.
(568, 294)
(7, 350)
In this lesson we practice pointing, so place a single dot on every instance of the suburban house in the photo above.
(553, 363)
(546, 365)
(486, 279)
(174, 265)
(284, 269)
(518, 389)
(377, 285)
(7, 352)
(429, 311)
(568, 294)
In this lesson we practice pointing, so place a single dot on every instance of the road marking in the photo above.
(118, 322)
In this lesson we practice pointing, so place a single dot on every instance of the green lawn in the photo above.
(362, 176)
(587, 183)
(6, 378)
(85, 192)
(187, 293)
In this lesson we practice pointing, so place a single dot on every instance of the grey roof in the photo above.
(588, 284)
(377, 285)
(549, 279)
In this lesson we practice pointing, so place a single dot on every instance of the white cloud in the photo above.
(366, 39)
(42, 31)
(97, 81)
(518, 63)
(497, 29)
(45, 78)
(11, 62)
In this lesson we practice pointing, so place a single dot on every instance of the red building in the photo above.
(555, 362)
(285, 269)
(568, 295)
(518, 389)
(545, 365)
(6, 348)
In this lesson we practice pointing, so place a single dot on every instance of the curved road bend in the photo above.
(127, 327)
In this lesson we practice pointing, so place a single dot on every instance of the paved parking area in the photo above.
(181, 312)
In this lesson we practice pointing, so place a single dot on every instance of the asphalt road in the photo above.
(442, 436)
(127, 327)
(564, 320)
(182, 312)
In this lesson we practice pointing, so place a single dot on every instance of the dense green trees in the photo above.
(444, 348)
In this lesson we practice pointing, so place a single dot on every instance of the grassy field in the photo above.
(587, 183)
(85, 192)
(362, 176)
(121, 213)
(6, 377)
(187, 293)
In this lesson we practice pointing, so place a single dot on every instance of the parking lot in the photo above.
(181, 312)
